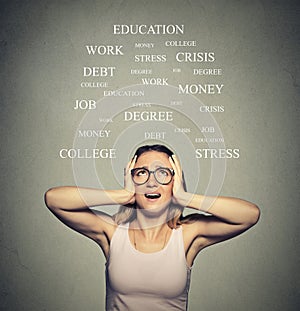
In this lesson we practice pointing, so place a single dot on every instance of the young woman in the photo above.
(149, 246)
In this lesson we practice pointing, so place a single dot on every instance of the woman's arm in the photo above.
(73, 198)
(72, 206)
(230, 216)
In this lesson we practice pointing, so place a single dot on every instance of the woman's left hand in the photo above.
(180, 196)
(128, 183)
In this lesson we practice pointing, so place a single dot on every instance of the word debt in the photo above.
(148, 116)
(95, 153)
(155, 135)
(98, 71)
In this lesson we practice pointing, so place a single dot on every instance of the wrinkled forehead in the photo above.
(153, 159)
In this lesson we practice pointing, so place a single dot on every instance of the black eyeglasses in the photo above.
(163, 175)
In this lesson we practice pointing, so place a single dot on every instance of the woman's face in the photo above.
(152, 195)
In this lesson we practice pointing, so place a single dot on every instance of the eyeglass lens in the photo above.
(142, 175)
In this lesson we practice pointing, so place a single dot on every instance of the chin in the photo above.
(153, 209)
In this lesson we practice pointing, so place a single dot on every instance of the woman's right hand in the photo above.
(128, 183)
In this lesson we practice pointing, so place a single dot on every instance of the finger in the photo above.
(172, 163)
(176, 161)
(131, 163)
(177, 177)
(174, 168)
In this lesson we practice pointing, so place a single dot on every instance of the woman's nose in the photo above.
(151, 181)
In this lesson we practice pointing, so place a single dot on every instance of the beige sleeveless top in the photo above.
(139, 281)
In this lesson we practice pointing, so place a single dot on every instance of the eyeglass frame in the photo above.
(153, 172)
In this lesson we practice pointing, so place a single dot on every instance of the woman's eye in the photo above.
(163, 172)
(141, 172)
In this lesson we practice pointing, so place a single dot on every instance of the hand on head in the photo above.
(128, 183)
(178, 188)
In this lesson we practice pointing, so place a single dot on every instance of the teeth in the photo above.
(152, 195)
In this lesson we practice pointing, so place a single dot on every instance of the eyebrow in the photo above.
(157, 166)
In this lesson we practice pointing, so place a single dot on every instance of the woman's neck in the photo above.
(147, 222)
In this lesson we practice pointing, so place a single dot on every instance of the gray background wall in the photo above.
(46, 266)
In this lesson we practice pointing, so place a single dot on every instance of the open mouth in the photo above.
(152, 195)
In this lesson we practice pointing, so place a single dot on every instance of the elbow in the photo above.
(254, 215)
(50, 198)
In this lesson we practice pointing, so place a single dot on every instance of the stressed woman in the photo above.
(149, 246)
